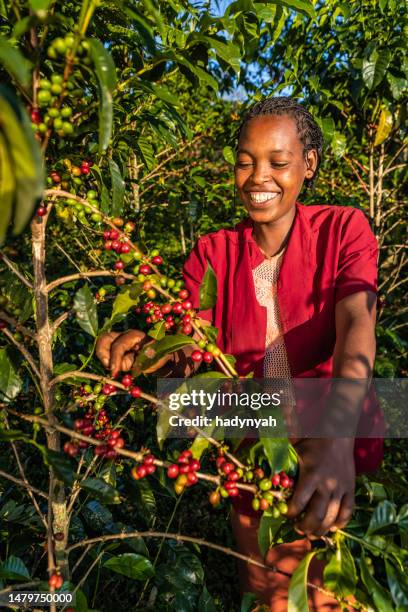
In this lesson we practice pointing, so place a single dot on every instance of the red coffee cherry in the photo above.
(156, 260)
(127, 380)
(173, 471)
(227, 467)
(207, 357)
(114, 234)
(166, 308)
(233, 476)
(186, 305)
(119, 265)
(276, 480)
(233, 492)
(220, 461)
(149, 459)
(194, 465)
(183, 294)
(107, 235)
(145, 269)
(197, 356)
(41, 211)
(135, 391)
(284, 481)
(177, 308)
(192, 478)
(187, 329)
(125, 248)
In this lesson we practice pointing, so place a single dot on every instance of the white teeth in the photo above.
(262, 196)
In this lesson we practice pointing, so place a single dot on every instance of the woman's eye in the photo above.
(279, 164)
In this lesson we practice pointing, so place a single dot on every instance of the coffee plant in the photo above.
(96, 122)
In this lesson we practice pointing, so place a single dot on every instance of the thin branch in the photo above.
(25, 480)
(55, 324)
(23, 351)
(198, 541)
(394, 168)
(21, 483)
(12, 321)
(66, 279)
(138, 457)
(15, 270)
(402, 147)
(362, 183)
(19, 587)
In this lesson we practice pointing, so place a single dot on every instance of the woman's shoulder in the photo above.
(329, 218)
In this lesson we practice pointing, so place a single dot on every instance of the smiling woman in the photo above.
(296, 298)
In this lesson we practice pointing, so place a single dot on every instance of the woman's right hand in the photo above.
(117, 351)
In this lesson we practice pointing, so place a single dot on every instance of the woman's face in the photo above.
(271, 167)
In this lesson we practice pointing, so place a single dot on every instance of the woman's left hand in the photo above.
(324, 492)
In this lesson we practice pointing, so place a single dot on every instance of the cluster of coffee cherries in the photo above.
(145, 469)
(56, 581)
(175, 313)
(56, 117)
(232, 475)
(265, 498)
(184, 471)
(97, 425)
(96, 422)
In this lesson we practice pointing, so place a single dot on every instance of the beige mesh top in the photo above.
(265, 280)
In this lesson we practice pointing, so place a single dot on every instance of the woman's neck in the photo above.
(272, 237)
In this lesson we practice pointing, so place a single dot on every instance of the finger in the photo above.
(332, 512)
(103, 347)
(301, 497)
(345, 512)
(315, 513)
(129, 341)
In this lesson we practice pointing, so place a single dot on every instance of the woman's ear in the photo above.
(311, 163)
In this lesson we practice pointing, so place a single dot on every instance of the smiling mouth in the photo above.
(262, 197)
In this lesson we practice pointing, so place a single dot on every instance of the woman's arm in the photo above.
(325, 490)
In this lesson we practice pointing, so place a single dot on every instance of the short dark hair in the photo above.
(309, 131)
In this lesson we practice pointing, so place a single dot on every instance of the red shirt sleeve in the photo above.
(193, 272)
(357, 265)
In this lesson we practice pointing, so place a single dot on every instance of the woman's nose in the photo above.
(261, 173)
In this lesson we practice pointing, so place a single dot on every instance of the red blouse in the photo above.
(331, 253)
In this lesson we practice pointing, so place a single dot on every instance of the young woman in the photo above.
(296, 298)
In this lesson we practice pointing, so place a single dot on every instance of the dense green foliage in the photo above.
(134, 108)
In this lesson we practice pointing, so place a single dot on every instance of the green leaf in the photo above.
(297, 594)
(383, 517)
(101, 489)
(158, 331)
(229, 155)
(126, 299)
(7, 187)
(10, 381)
(199, 446)
(375, 67)
(85, 310)
(153, 352)
(24, 157)
(118, 188)
(340, 572)
(206, 602)
(384, 127)
(40, 5)
(230, 53)
(267, 531)
(208, 289)
(276, 451)
(377, 592)
(248, 601)
(14, 62)
(131, 565)
(147, 152)
(338, 144)
(60, 463)
(302, 6)
(14, 569)
(9, 435)
(105, 73)
(398, 584)
(402, 518)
